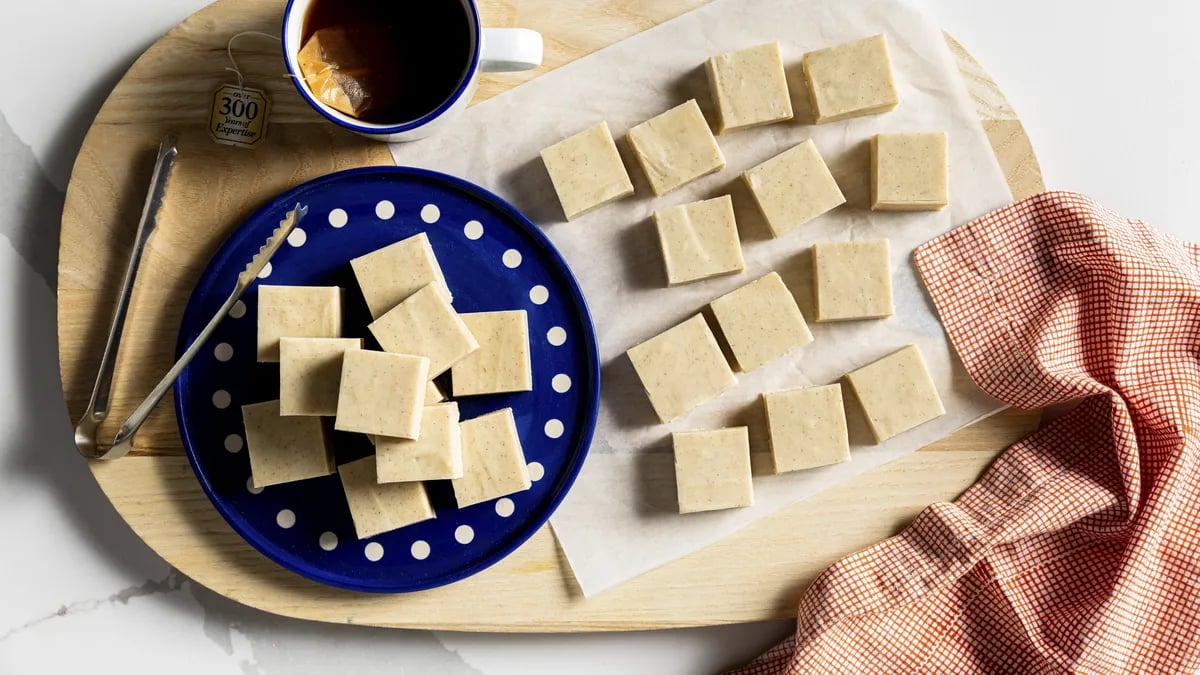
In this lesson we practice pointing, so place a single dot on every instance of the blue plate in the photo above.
(493, 259)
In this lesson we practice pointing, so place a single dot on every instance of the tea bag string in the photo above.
(233, 64)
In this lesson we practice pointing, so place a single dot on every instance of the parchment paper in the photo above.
(621, 518)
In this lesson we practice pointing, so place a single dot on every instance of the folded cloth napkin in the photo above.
(1079, 549)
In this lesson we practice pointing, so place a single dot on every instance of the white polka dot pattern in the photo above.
(420, 549)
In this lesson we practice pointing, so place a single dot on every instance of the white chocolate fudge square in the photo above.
(433, 396)
(793, 187)
(284, 449)
(853, 280)
(436, 455)
(501, 364)
(807, 427)
(681, 368)
(493, 460)
(391, 274)
(382, 393)
(712, 469)
(699, 240)
(909, 172)
(296, 311)
(749, 87)
(310, 373)
(761, 322)
(586, 170)
(897, 393)
(676, 147)
(850, 80)
(426, 325)
(377, 508)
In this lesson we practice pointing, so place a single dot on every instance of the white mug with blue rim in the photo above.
(487, 50)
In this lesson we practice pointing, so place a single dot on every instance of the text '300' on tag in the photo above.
(238, 116)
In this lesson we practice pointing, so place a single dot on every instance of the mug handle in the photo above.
(510, 49)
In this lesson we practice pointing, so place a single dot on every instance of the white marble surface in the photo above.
(1104, 88)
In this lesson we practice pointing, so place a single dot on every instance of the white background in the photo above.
(1105, 90)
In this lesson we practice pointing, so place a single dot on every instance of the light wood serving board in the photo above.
(755, 574)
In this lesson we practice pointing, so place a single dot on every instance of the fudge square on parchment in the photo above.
(909, 172)
(853, 280)
(761, 322)
(749, 87)
(896, 392)
(586, 170)
(699, 240)
(377, 508)
(681, 368)
(382, 393)
(296, 311)
(389, 275)
(793, 187)
(676, 147)
(284, 449)
(807, 427)
(712, 469)
(851, 79)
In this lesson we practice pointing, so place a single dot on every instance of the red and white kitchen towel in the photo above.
(1079, 549)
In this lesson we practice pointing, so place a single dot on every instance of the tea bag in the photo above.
(342, 70)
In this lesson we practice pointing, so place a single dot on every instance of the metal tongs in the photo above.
(85, 432)
(97, 410)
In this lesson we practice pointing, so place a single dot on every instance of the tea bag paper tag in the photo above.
(238, 115)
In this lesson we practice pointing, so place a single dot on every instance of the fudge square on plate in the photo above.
(493, 460)
(853, 280)
(284, 449)
(436, 455)
(676, 147)
(424, 324)
(896, 392)
(296, 311)
(586, 170)
(749, 87)
(909, 172)
(310, 372)
(376, 508)
(850, 79)
(761, 322)
(712, 469)
(807, 427)
(382, 393)
(699, 240)
(501, 364)
(391, 274)
(681, 368)
(793, 187)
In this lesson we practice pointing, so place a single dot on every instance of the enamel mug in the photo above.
(492, 50)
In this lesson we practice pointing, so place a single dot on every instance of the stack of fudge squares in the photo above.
(330, 382)
(761, 322)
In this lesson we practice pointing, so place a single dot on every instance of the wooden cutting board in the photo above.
(753, 575)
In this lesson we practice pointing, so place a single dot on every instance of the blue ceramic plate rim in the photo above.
(281, 204)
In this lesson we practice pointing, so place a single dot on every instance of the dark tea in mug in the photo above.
(386, 62)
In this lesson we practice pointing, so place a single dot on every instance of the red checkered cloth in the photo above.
(1079, 549)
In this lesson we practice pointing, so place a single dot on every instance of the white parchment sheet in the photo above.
(621, 517)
